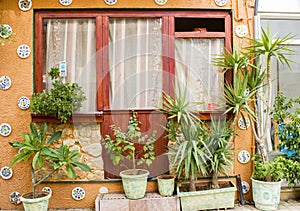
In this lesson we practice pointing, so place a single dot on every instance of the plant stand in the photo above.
(207, 199)
(266, 195)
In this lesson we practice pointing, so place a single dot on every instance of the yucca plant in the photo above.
(256, 78)
(37, 148)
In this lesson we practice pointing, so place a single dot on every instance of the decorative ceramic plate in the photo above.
(24, 103)
(65, 2)
(110, 2)
(25, 5)
(221, 3)
(246, 92)
(23, 51)
(5, 129)
(241, 30)
(5, 82)
(78, 193)
(245, 187)
(47, 189)
(241, 123)
(14, 198)
(161, 2)
(6, 172)
(6, 31)
(244, 156)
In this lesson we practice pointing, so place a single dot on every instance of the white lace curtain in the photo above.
(196, 73)
(135, 60)
(73, 41)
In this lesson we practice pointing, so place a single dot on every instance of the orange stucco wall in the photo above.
(21, 73)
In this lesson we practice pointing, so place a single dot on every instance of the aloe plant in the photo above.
(36, 147)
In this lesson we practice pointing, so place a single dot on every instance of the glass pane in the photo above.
(196, 73)
(282, 27)
(135, 60)
(72, 41)
(289, 78)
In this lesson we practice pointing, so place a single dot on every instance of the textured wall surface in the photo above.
(85, 137)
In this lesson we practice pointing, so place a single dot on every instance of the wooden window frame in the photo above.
(102, 63)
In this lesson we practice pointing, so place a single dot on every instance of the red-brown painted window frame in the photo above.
(102, 16)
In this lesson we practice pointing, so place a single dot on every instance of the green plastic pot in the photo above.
(40, 203)
(134, 182)
(165, 185)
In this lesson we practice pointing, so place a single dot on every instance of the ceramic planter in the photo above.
(40, 203)
(134, 183)
(165, 185)
(266, 195)
(207, 199)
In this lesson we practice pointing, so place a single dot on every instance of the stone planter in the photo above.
(40, 203)
(222, 198)
(165, 185)
(266, 195)
(134, 183)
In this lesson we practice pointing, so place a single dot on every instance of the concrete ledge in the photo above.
(151, 202)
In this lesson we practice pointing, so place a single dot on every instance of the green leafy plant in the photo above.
(37, 148)
(61, 101)
(268, 171)
(122, 144)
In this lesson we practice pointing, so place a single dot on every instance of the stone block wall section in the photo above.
(84, 137)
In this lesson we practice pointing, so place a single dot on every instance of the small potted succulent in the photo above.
(61, 101)
(36, 148)
(122, 145)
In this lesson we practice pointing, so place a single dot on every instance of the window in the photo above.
(124, 59)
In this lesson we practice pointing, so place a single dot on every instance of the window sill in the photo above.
(76, 117)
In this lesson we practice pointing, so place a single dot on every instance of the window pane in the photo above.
(282, 27)
(289, 78)
(196, 73)
(74, 42)
(135, 60)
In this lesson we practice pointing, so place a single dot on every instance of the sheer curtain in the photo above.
(196, 73)
(135, 60)
(73, 41)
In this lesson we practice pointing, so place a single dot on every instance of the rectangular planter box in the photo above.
(207, 199)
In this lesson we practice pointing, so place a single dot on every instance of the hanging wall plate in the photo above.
(221, 3)
(78, 193)
(244, 156)
(5, 82)
(243, 123)
(23, 51)
(24, 103)
(14, 198)
(245, 187)
(110, 2)
(241, 30)
(6, 172)
(161, 2)
(6, 31)
(25, 5)
(5, 129)
(65, 2)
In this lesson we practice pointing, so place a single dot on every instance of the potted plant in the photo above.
(251, 93)
(37, 148)
(61, 101)
(198, 151)
(123, 145)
